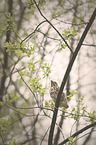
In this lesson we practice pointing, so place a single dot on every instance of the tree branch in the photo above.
(66, 76)
(5, 65)
(79, 132)
(53, 26)
(88, 137)
(30, 35)
(56, 139)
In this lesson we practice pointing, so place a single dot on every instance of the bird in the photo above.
(54, 92)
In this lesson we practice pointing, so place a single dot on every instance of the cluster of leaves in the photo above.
(8, 99)
(4, 123)
(10, 24)
(68, 34)
(49, 104)
(45, 69)
(36, 86)
(20, 48)
(35, 71)
(35, 79)
(34, 68)
(13, 142)
(55, 13)
(83, 110)
(40, 67)
(30, 4)
(72, 93)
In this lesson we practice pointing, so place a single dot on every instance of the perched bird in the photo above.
(54, 92)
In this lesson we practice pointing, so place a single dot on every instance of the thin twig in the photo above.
(52, 26)
(28, 87)
(30, 35)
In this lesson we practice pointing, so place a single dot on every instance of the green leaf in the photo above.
(73, 109)
(73, 92)
(13, 142)
(47, 104)
(70, 139)
(18, 52)
(23, 44)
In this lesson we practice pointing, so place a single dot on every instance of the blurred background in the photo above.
(32, 54)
